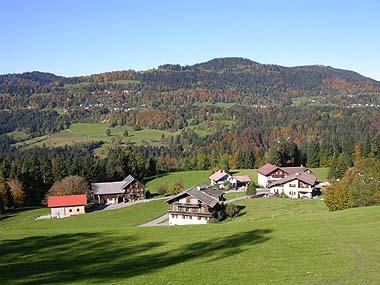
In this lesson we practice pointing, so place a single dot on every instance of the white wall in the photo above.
(62, 212)
(262, 180)
(181, 220)
(292, 192)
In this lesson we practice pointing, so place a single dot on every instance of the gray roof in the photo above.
(208, 196)
(117, 187)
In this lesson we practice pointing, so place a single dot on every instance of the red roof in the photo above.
(293, 169)
(68, 200)
(218, 175)
(304, 177)
(267, 169)
(243, 179)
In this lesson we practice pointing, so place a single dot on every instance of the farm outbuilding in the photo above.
(65, 206)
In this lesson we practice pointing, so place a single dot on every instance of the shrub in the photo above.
(162, 189)
(227, 185)
(251, 190)
(231, 210)
(148, 195)
(283, 195)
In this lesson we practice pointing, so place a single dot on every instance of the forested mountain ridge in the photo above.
(221, 73)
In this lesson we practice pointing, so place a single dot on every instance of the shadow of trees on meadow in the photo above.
(101, 257)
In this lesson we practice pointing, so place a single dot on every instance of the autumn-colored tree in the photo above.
(69, 185)
(17, 192)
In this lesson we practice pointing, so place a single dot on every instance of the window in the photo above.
(77, 210)
(199, 218)
(190, 217)
(70, 210)
(292, 185)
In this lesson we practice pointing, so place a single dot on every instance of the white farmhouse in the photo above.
(297, 185)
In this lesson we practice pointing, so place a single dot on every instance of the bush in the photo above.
(251, 190)
(148, 195)
(283, 195)
(231, 210)
(162, 189)
(227, 185)
(359, 187)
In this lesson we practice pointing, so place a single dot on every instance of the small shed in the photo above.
(65, 206)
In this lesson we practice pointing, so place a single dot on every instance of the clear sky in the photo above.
(83, 37)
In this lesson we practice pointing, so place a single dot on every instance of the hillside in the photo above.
(279, 241)
(239, 73)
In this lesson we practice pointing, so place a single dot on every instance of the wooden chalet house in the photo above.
(66, 206)
(128, 190)
(196, 205)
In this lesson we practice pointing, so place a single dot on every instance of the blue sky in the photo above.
(83, 37)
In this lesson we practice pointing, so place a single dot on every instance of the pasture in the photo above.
(191, 178)
(272, 241)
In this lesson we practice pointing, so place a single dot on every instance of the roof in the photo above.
(117, 187)
(218, 175)
(267, 169)
(292, 170)
(129, 179)
(244, 178)
(304, 177)
(68, 200)
(208, 195)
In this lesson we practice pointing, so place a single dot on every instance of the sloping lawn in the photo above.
(273, 241)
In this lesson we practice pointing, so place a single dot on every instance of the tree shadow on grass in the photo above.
(97, 257)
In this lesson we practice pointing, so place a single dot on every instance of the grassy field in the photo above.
(87, 132)
(273, 241)
(191, 178)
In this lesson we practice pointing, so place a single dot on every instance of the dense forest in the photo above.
(225, 113)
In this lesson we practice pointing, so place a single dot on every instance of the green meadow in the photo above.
(93, 132)
(191, 178)
(272, 241)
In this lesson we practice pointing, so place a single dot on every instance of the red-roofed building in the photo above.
(297, 185)
(65, 206)
(220, 177)
(269, 173)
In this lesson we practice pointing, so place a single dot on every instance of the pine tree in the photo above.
(312, 153)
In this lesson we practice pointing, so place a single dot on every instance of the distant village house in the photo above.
(269, 173)
(65, 206)
(220, 179)
(128, 190)
(197, 205)
(294, 182)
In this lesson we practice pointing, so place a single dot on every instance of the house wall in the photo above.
(135, 191)
(189, 211)
(180, 219)
(262, 180)
(293, 189)
(62, 212)
(220, 183)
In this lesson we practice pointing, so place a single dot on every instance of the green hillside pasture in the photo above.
(18, 136)
(273, 241)
(87, 132)
(191, 178)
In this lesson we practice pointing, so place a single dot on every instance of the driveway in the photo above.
(161, 221)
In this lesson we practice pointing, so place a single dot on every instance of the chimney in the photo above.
(198, 188)
(297, 173)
